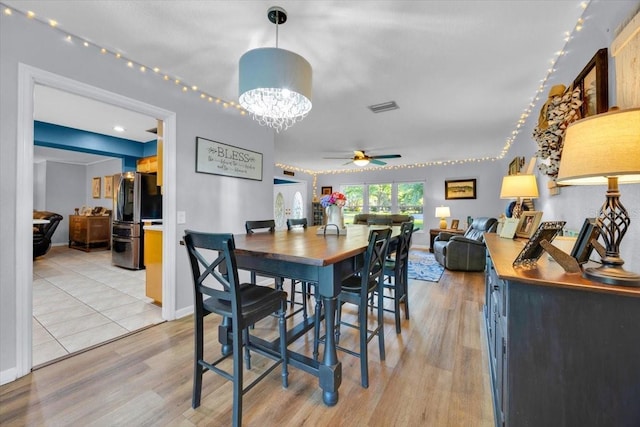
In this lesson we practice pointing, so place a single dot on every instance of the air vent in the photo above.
(385, 106)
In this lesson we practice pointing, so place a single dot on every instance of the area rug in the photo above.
(423, 266)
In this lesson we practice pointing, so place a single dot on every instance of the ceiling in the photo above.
(462, 72)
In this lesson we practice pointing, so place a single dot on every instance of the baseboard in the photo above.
(187, 311)
(8, 376)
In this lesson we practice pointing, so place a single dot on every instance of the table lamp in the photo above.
(519, 187)
(443, 213)
(605, 149)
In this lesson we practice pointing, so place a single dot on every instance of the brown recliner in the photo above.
(42, 233)
(467, 252)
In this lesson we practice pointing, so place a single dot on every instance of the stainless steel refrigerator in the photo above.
(137, 198)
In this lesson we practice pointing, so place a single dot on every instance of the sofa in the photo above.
(42, 233)
(396, 219)
(466, 252)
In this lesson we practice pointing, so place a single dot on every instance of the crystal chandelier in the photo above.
(275, 84)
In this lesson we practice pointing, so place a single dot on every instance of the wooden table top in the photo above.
(305, 246)
(546, 272)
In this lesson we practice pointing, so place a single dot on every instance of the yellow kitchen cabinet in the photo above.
(147, 164)
(153, 262)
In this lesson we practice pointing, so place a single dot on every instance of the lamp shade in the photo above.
(514, 186)
(275, 86)
(602, 146)
(443, 212)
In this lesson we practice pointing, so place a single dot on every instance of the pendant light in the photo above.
(274, 83)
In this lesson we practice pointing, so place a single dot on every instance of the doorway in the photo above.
(289, 200)
(28, 77)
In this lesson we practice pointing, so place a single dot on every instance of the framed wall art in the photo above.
(460, 189)
(108, 187)
(593, 82)
(533, 250)
(326, 190)
(528, 223)
(216, 158)
(516, 165)
(95, 187)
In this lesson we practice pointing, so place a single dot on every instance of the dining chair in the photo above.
(297, 223)
(356, 289)
(269, 226)
(395, 268)
(240, 305)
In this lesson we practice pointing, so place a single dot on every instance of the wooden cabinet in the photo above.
(562, 350)
(89, 232)
(147, 164)
(153, 262)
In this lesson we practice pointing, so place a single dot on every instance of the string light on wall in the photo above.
(129, 63)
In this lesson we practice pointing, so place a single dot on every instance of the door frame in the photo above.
(28, 77)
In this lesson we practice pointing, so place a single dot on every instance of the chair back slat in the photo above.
(265, 224)
(296, 223)
(222, 269)
(375, 258)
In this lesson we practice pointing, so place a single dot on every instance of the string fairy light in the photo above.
(184, 87)
(129, 62)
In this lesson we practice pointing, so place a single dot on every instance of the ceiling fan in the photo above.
(361, 159)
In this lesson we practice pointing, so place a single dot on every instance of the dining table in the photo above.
(311, 256)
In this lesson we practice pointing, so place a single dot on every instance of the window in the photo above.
(406, 198)
(355, 201)
(380, 198)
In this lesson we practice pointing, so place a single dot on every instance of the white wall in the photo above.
(65, 190)
(212, 203)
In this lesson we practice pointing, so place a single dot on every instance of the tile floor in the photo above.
(80, 300)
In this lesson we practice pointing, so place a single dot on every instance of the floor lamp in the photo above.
(605, 150)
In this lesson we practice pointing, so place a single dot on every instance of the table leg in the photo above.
(330, 370)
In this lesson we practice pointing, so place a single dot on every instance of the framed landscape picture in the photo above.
(460, 189)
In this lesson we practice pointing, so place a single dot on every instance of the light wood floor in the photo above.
(435, 374)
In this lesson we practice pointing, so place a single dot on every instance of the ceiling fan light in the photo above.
(361, 162)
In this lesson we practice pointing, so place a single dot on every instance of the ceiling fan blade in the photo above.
(386, 156)
(348, 163)
(376, 162)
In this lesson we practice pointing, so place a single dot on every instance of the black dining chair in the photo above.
(269, 226)
(395, 270)
(356, 289)
(240, 304)
(292, 224)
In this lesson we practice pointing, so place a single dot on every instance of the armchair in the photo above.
(42, 233)
(467, 252)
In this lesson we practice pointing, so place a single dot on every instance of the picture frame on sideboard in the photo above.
(532, 250)
(583, 247)
(528, 223)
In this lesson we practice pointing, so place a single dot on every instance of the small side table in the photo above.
(435, 231)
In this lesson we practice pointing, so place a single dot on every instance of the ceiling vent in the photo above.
(385, 106)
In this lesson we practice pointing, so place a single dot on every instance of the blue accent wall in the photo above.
(65, 138)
